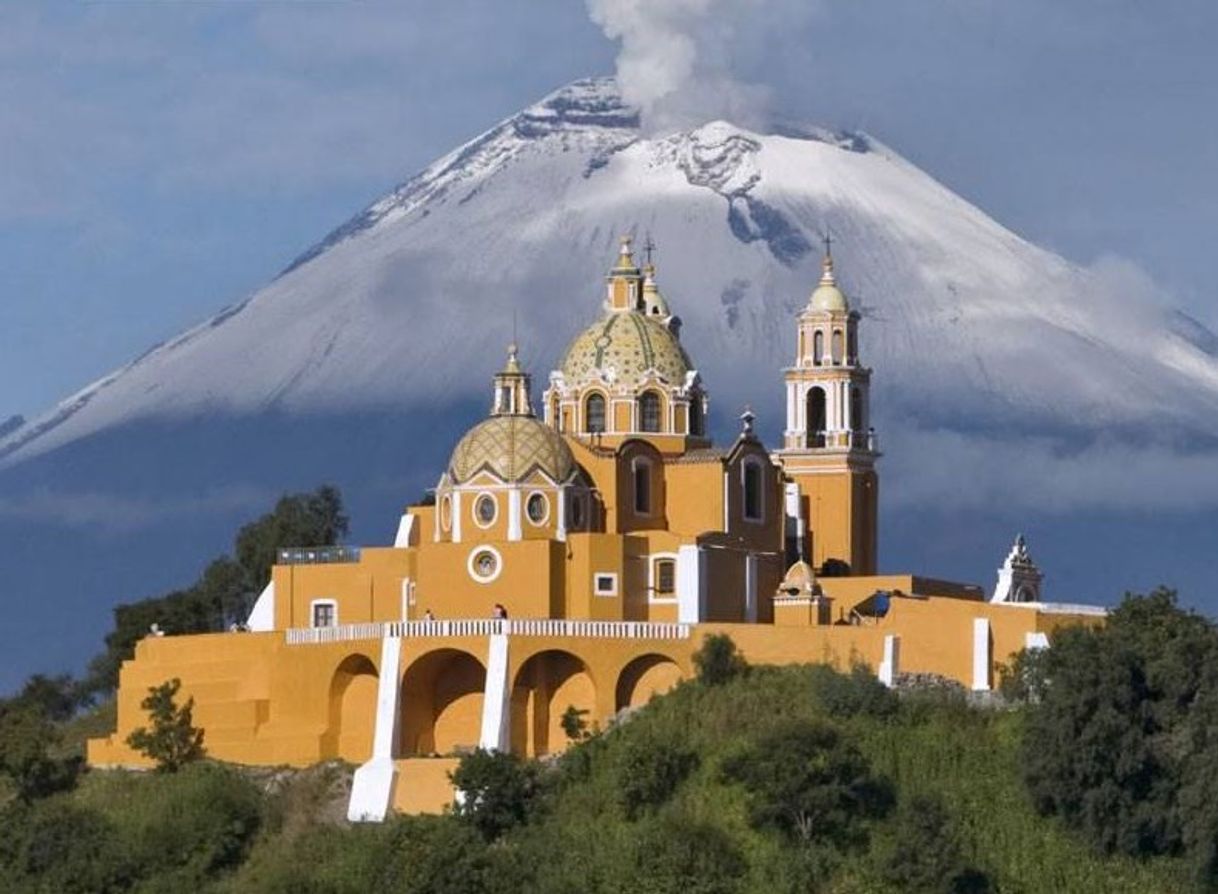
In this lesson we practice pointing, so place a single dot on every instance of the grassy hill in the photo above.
(659, 803)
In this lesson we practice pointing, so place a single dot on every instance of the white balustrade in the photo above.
(548, 627)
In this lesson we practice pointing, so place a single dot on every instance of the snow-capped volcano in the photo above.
(412, 301)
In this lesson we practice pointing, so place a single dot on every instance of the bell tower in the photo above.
(829, 447)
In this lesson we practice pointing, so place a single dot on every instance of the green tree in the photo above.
(26, 737)
(683, 855)
(1108, 745)
(314, 519)
(718, 661)
(648, 772)
(172, 741)
(574, 726)
(496, 790)
(806, 782)
(926, 856)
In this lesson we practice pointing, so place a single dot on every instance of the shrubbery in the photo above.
(1122, 731)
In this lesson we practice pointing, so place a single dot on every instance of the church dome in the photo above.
(511, 447)
(629, 345)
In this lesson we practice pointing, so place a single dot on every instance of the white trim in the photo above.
(546, 501)
(981, 654)
(456, 533)
(469, 564)
(513, 527)
(561, 511)
(495, 734)
(596, 583)
(445, 513)
(313, 612)
(689, 585)
(890, 667)
(407, 597)
(474, 509)
(408, 530)
(373, 783)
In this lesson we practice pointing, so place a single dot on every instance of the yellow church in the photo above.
(578, 559)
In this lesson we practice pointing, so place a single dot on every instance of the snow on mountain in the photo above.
(411, 302)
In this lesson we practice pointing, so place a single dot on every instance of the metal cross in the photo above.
(649, 247)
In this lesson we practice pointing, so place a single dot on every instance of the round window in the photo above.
(485, 564)
(484, 510)
(538, 508)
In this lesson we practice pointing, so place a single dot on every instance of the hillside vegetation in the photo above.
(747, 780)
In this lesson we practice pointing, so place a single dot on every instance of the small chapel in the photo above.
(581, 545)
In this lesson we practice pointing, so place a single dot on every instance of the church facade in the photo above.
(577, 558)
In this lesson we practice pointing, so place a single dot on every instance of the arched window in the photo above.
(852, 345)
(856, 410)
(818, 347)
(594, 413)
(816, 417)
(642, 487)
(697, 423)
(649, 411)
(575, 512)
(751, 480)
(837, 346)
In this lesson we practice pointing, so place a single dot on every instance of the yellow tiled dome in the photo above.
(630, 344)
(511, 447)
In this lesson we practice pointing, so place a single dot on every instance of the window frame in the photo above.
(604, 414)
(478, 501)
(471, 561)
(314, 605)
(545, 502)
(654, 595)
(611, 591)
(650, 400)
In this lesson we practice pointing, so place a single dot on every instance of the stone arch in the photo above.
(351, 719)
(643, 677)
(545, 686)
(441, 703)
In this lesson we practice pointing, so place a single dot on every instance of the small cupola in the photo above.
(625, 281)
(512, 388)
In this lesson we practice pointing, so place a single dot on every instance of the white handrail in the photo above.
(549, 627)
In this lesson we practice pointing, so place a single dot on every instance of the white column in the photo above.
(562, 513)
(689, 584)
(514, 514)
(981, 654)
(890, 666)
(456, 519)
(496, 714)
(372, 787)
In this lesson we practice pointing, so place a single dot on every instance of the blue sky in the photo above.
(161, 160)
